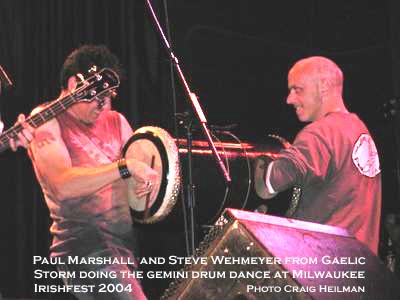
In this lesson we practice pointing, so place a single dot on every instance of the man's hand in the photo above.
(24, 137)
(147, 180)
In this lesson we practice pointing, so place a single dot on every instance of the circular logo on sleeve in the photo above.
(365, 156)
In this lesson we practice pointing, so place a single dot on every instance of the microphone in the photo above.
(5, 79)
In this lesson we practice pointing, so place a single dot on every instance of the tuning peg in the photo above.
(93, 69)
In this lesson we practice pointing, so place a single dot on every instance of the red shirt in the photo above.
(335, 162)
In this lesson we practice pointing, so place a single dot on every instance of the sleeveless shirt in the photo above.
(87, 224)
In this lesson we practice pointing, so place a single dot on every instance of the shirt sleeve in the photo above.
(306, 162)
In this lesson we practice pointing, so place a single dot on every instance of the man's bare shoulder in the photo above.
(50, 124)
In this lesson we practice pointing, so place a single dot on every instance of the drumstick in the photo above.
(146, 210)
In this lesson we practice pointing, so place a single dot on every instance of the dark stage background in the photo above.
(235, 54)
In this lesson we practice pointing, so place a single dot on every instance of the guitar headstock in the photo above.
(99, 83)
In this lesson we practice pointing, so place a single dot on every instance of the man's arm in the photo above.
(262, 182)
(52, 161)
(305, 162)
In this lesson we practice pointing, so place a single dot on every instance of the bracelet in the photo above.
(123, 168)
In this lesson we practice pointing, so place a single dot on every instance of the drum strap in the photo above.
(88, 136)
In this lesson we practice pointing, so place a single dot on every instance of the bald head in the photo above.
(315, 88)
(321, 68)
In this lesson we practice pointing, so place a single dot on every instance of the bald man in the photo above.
(333, 159)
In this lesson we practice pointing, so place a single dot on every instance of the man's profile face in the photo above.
(88, 112)
(304, 94)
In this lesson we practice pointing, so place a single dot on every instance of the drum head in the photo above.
(144, 149)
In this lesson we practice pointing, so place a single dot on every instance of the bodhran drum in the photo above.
(168, 157)
(155, 147)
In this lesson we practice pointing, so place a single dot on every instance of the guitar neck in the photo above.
(50, 111)
(99, 83)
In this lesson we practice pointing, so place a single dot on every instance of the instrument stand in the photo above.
(190, 225)
(391, 222)
(193, 98)
(199, 114)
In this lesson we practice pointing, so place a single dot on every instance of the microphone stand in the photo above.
(187, 122)
(202, 119)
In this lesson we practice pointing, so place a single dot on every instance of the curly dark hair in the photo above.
(85, 57)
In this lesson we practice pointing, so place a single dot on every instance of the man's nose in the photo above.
(290, 98)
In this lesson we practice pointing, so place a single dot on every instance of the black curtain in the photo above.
(35, 37)
(235, 55)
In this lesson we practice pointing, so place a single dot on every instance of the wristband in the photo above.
(123, 168)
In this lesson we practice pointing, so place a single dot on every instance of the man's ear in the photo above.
(323, 87)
